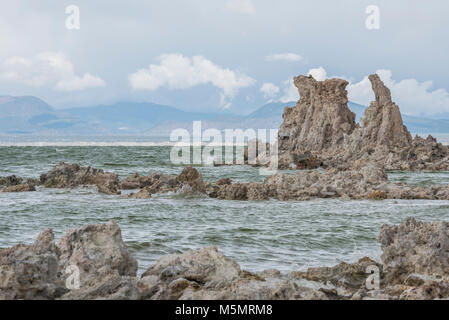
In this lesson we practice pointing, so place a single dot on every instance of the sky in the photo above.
(222, 55)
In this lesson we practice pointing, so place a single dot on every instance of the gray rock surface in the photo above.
(17, 184)
(415, 248)
(31, 271)
(71, 176)
(189, 181)
(415, 267)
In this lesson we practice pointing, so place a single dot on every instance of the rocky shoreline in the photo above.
(415, 265)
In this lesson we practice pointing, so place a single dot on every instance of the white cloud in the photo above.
(269, 90)
(241, 6)
(284, 56)
(47, 69)
(176, 71)
(318, 74)
(290, 92)
(412, 97)
(361, 92)
(76, 83)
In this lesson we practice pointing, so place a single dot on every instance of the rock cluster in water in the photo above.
(189, 181)
(363, 181)
(17, 184)
(415, 266)
(321, 130)
(367, 181)
(70, 176)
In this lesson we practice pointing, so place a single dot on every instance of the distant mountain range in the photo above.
(31, 115)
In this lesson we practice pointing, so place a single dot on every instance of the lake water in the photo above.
(286, 235)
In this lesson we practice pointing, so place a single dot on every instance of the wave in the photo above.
(104, 144)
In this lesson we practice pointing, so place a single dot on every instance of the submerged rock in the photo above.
(71, 176)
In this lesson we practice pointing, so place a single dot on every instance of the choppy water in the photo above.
(258, 234)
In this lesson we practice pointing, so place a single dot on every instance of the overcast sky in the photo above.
(217, 55)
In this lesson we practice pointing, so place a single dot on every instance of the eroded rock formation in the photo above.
(318, 122)
(415, 266)
(321, 130)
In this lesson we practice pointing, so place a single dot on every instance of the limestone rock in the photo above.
(10, 181)
(16, 184)
(207, 274)
(200, 266)
(189, 181)
(319, 121)
(430, 290)
(321, 131)
(243, 191)
(93, 247)
(191, 177)
(349, 276)
(31, 271)
(106, 286)
(415, 248)
(107, 269)
(70, 176)
(23, 187)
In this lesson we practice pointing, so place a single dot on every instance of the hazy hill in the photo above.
(31, 115)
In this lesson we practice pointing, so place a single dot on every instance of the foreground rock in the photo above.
(43, 270)
(31, 271)
(415, 250)
(16, 184)
(415, 266)
(71, 176)
(321, 131)
(107, 270)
